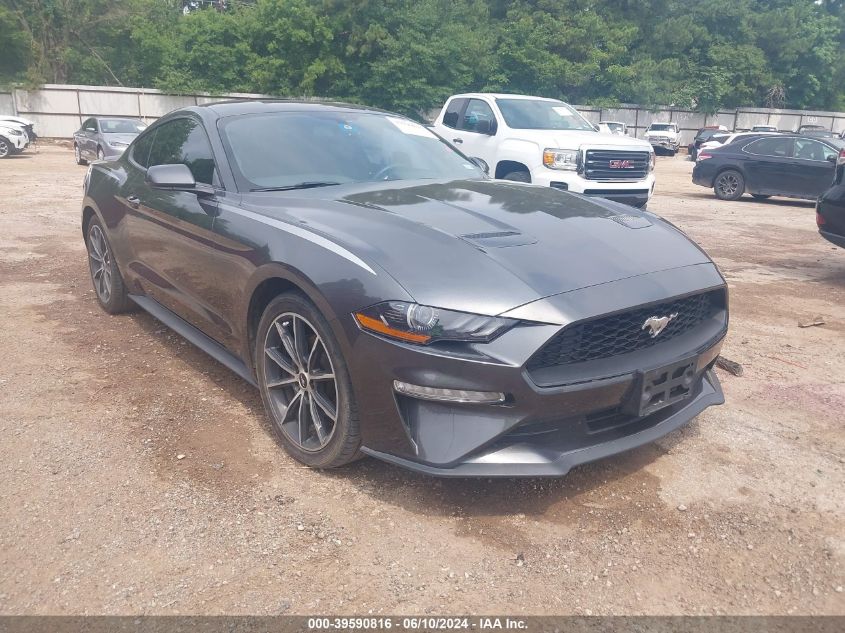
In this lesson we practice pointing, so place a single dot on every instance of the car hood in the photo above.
(485, 246)
(563, 139)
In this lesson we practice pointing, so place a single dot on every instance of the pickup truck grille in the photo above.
(610, 164)
(624, 332)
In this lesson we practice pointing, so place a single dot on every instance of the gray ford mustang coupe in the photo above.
(390, 299)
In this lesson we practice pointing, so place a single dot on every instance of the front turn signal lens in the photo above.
(421, 324)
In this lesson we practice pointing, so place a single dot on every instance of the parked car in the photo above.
(389, 298)
(821, 133)
(769, 165)
(100, 138)
(613, 127)
(804, 129)
(724, 138)
(664, 136)
(27, 124)
(547, 142)
(764, 128)
(830, 207)
(702, 136)
(13, 139)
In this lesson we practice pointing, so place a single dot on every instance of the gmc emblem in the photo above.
(620, 164)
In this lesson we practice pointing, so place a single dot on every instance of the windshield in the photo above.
(296, 149)
(705, 135)
(122, 126)
(661, 127)
(536, 114)
(616, 127)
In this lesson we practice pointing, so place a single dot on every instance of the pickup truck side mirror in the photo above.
(485, 126)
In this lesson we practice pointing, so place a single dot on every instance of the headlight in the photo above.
(561, 159)
(414, 323)
(118, 144)
(13, 132)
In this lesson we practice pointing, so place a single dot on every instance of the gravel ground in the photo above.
(739, 512)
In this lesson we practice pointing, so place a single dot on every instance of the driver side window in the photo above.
(184, 141)
(478, 114)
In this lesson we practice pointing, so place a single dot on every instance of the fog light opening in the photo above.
(448, 395)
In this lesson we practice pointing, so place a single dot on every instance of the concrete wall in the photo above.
(58, 110)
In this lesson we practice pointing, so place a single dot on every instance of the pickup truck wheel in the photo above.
(518, 176)
(729, 185)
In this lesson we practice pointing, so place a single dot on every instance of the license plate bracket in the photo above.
(665, 386)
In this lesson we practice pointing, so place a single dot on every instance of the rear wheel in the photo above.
(305, 384)
(518, 176)
(729, 185)
(108, 284)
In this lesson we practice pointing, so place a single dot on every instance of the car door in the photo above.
(815, 164)
(86, 134)
(767, 163)
(171, 232)
(448, 127)
(476, 128)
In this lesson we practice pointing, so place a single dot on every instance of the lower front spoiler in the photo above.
(526, 460)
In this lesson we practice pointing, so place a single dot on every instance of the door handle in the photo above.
(134, 201)
(457, 140)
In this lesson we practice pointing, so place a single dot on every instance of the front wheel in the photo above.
(100, 154)
(5, 148)
(305, 384)
(729, 185)
(77, 154)
(518, 176)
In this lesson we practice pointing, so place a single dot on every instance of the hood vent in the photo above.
(498, 239)
(631, 221)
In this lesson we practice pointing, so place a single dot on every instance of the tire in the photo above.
(285, 380)
(517, 176)
(100, 154)
(77, 154)
(760, 196)
(5, 147)
(729, 185)
(105, 276)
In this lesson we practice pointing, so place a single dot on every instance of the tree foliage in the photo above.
(408, 55)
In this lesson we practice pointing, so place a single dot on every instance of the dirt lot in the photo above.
(741, 511)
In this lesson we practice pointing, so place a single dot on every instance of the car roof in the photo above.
(234, 107)
(502, 95)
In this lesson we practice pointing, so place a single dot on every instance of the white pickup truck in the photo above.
(666, 136)
(547, 142)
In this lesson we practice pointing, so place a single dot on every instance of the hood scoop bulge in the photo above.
(498, 239)
(631, 221)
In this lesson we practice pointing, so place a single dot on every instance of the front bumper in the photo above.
(635, 193)
(555, 452)
(552, 419)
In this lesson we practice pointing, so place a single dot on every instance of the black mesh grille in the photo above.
(607, 164)
(623, 332)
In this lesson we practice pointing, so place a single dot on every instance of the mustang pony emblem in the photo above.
(657, 324)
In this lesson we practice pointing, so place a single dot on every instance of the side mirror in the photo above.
(175, 178)
(484, 126)
(831, 159)
(482, 164)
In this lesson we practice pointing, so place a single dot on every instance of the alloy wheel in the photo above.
(728, 184)
(4, 148)
(77, 154)
(100, 154)
(99, 259)
(300, 381)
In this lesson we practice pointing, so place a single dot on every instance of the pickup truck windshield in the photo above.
(534, 114)
(302, 149)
